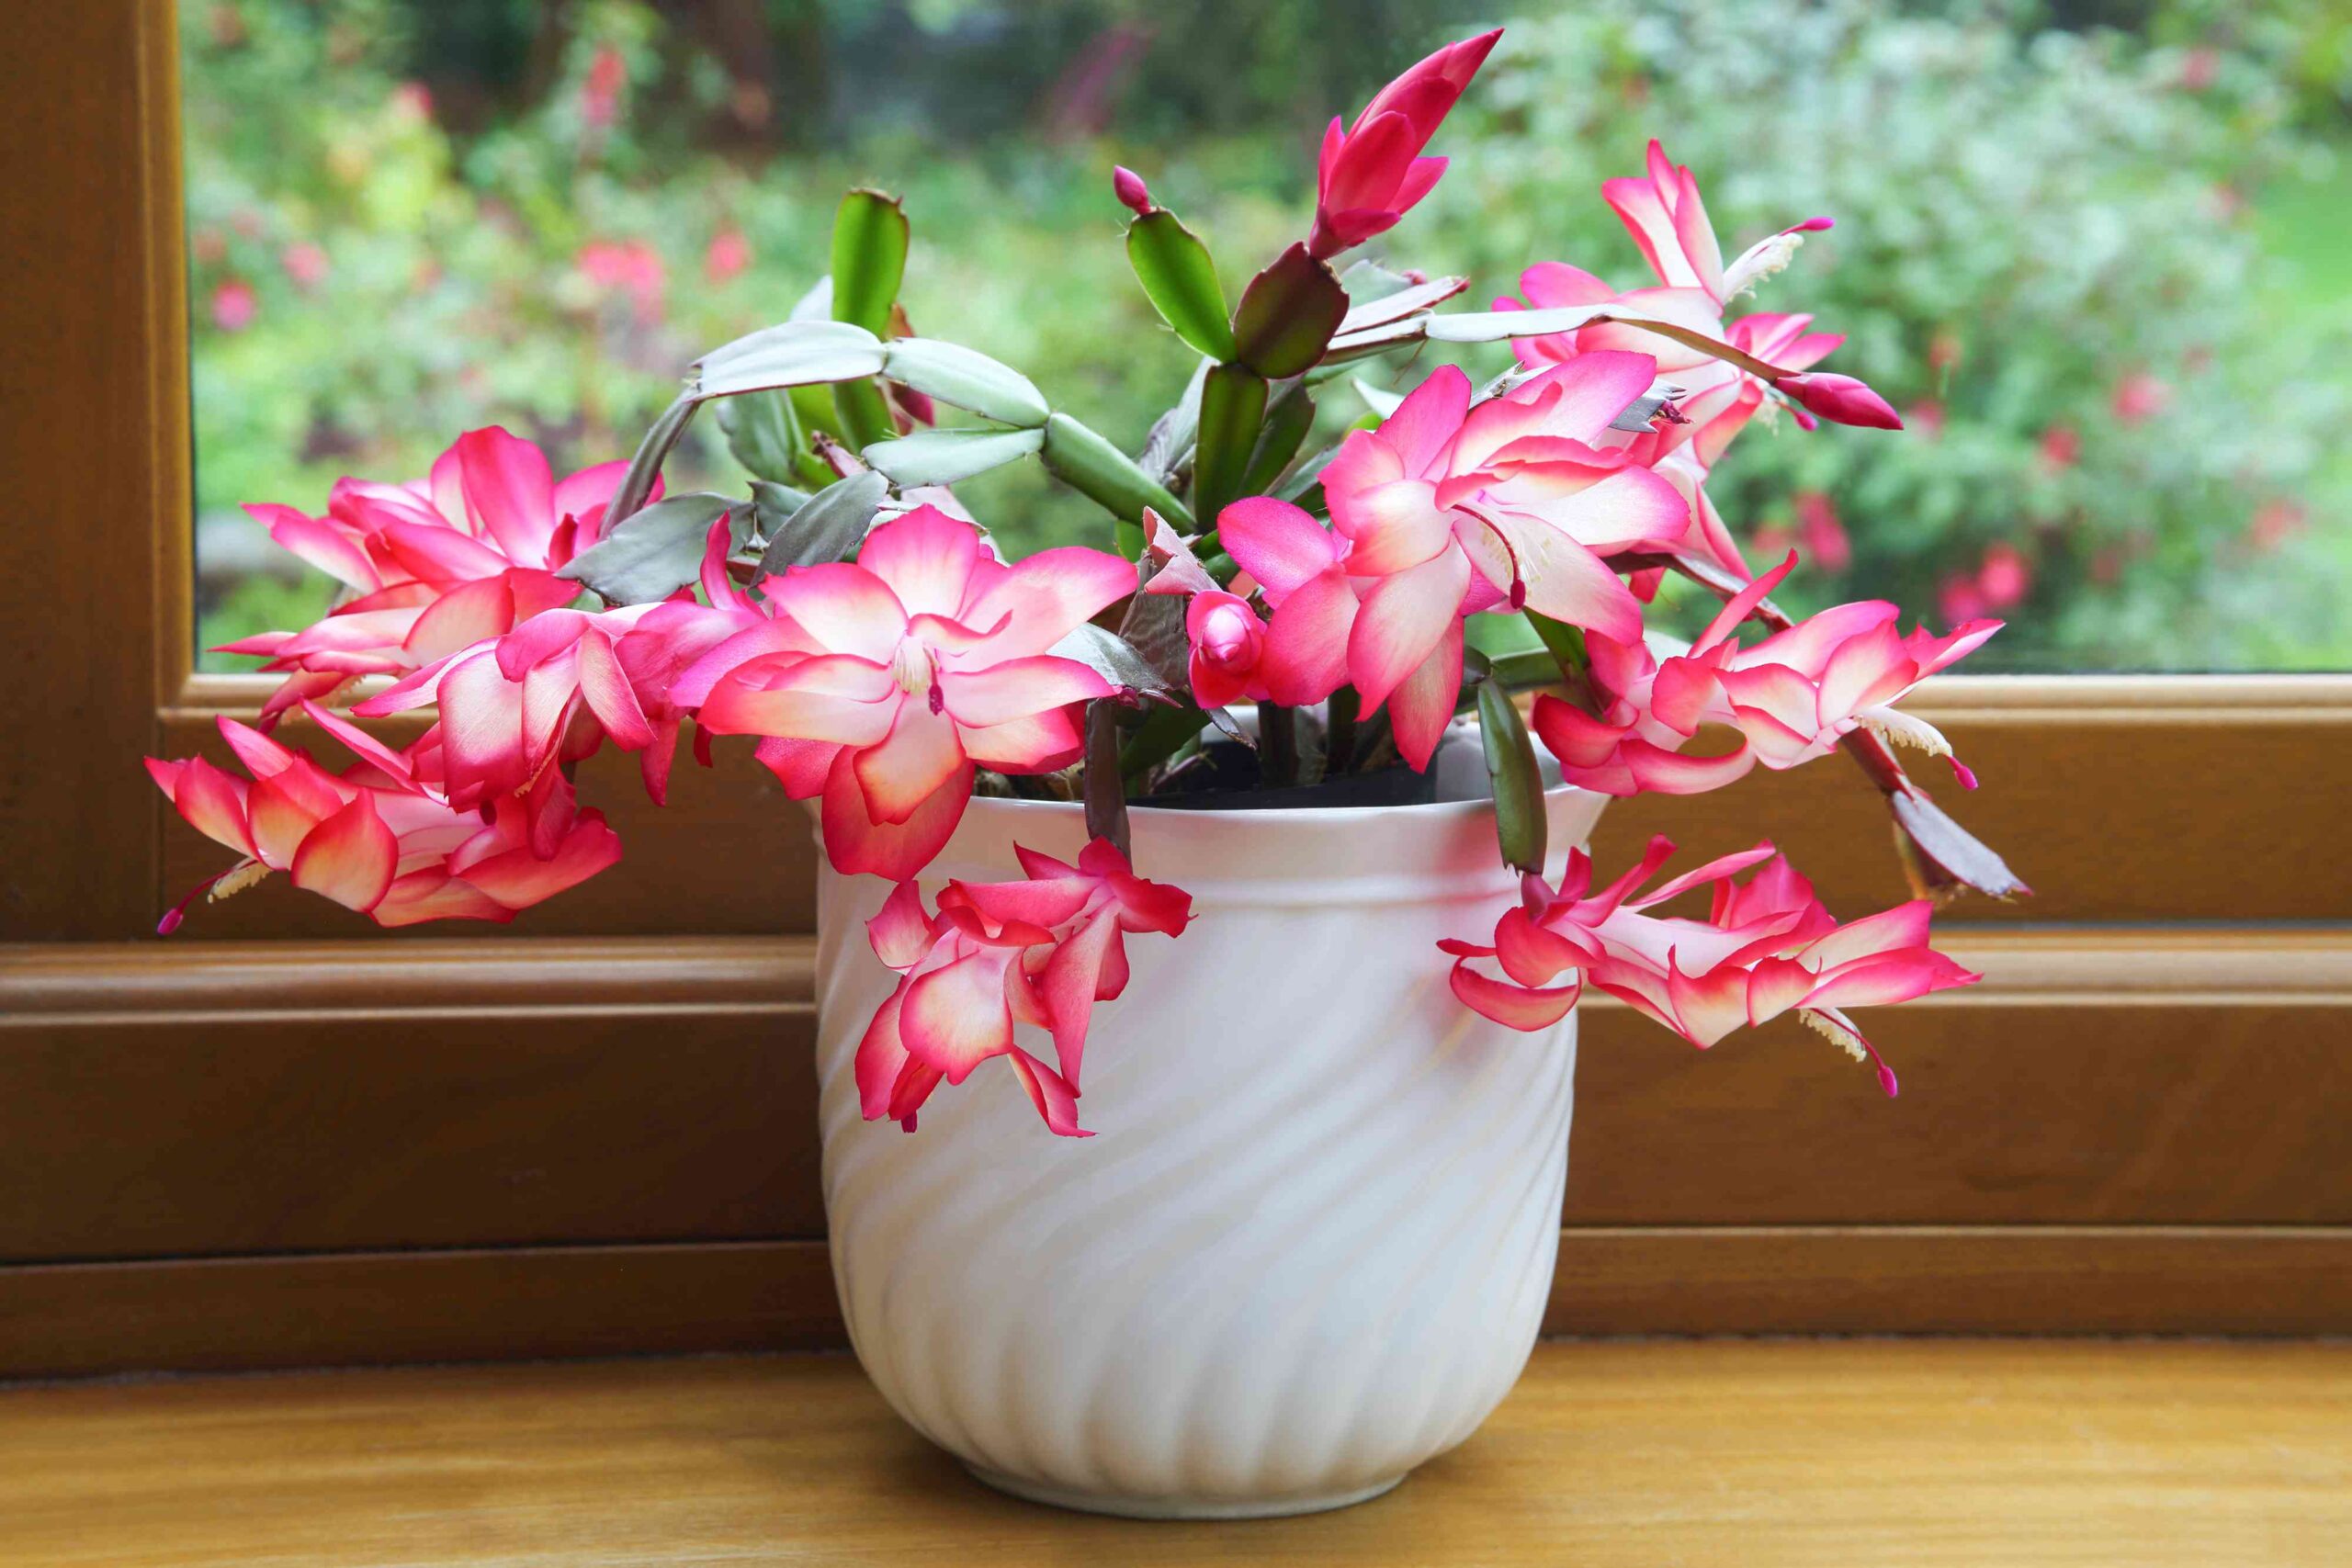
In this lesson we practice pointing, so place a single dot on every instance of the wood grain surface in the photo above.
(494, 1303)
(1760, 1454)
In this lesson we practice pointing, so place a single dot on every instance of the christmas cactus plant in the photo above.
(1268, 621)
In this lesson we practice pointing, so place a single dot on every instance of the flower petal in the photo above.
(920, 753)
(926, 557)
(1515, 1006)
(349, 857)
(955, 1017)
(1055, 1101)
(1403, 620)
(856, 843)
(1277, 544)
(1019, 688)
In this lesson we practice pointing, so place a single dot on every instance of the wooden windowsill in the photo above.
(1753, 1452)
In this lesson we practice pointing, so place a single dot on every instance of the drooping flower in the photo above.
(436, 566)
(1792, 697)
(1040, 950)
(378, 838)
(884, 682)
(1372, 173)
(1087, 909)
(1448, 508)
(1768, 946)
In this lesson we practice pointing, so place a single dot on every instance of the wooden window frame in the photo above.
(2190, 830)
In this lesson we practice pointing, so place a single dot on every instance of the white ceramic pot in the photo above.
(1311, 1243)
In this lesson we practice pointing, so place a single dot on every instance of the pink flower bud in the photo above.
(1841, 400)
(1128, 187)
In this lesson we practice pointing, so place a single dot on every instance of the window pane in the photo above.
(2101, 272)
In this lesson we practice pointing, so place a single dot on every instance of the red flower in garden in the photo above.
(234, 305)
(727, 257)
(630, 268)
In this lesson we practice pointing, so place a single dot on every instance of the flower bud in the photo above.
(1133, 195)
(1841, 400)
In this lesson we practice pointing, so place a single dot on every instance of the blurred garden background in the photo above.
(2096, 252)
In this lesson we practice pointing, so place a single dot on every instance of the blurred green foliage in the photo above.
(407, 219)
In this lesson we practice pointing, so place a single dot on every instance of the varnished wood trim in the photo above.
(94, 443)
(42, 983)
(381, 1308)
(387, 1307)
(1954, 1279)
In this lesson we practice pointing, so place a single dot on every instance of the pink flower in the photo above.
(727, 257)
(413, 101)
(1668, 221)
(1958, 599)
(1041, 950)
(1371, 174)
(1823, 532)
(1792, 697)
(2140, 396)
(600, 91)
(234, 305)
(630, 267)
(555, 687)
(2003, 577)
(378, 838)
(2061, 448)
(1766, 947)
(1446, 509)
(305, 264)
(2274, 522)
(438, 565)
(885, 683)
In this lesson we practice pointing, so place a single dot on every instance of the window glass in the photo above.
(2098, 267)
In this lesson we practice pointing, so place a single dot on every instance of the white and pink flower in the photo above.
(1040, 950)
(1789, 698)
(883, 683)
(1766, 947)
(378, 838)
(433, 567)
